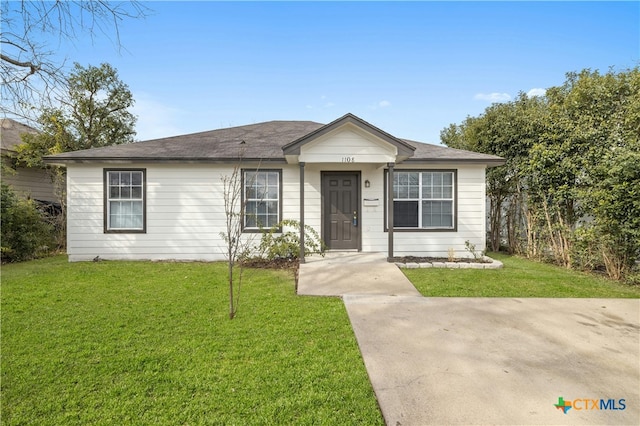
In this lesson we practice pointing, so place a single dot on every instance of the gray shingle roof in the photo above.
(10, 134)
(261, 141)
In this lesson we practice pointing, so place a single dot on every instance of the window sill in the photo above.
(422, 230)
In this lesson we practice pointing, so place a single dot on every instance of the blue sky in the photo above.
(409, 68)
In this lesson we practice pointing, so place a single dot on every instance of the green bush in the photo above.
(26, 233)
(286, 245)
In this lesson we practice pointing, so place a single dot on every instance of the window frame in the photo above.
(454, 200)
(244, 199)
(107, 199)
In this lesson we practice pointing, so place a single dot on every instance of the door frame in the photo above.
(323, 230)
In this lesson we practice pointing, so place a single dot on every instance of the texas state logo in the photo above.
(563, 405)
(590, 404)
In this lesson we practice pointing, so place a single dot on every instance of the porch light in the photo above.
(367, 184)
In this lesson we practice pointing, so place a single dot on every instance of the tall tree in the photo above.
(31, 33)
(94, 113)
(571, 176)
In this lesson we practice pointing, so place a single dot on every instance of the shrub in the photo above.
(26, 234)
(286, 245)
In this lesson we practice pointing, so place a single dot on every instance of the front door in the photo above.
(341, 211)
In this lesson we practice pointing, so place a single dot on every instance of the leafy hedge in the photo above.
(26, 233)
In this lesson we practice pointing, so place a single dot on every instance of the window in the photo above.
(125, 201)
(262, 195)
(424, 200)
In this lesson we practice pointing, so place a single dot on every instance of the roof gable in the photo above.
(11, 132)
(403, 148)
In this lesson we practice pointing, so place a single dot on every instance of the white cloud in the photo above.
(381, 104)
(492, 97)
(536, 92)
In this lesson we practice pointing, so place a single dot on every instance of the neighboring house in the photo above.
(34, 183)
(163, 199)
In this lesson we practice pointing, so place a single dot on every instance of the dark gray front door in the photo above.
(341, 212)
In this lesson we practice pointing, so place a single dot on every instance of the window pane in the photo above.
(414, 192)
(114, 178)
(447, 192)
(405, 214)
(251, 193)
(114, 192)
(136, 179)
(437, 214)
(125, 178)
(272, 193)
(137, 208)
(250, 221)
(272, 207)
(273, 179)
(136, 192)
(114, 207)
(447, 179)
(272, 220)
(125, 192)
(261, 221)
(437, 179)
(137, 222)
(114, 220)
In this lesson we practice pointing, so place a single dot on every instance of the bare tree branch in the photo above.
(30, 34)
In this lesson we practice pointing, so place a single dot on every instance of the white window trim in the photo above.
(107, 202)
(245, 200)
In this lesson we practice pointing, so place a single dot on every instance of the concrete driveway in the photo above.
(484, 360)
(500, 361)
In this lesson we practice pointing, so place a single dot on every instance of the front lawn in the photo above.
(151, 343)
(519, 278)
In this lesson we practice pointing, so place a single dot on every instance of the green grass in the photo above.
(151, 343)
(519, 278)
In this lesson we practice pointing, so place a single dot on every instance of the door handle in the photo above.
(355, 218)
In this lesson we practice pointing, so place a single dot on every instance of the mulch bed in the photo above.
(288, 264)
(414, 259)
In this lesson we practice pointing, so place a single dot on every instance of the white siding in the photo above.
(348, 144)
(185, 212)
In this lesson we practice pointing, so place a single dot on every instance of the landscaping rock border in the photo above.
(488, 263)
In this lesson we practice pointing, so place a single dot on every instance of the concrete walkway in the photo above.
(340, 273)
(485, 360)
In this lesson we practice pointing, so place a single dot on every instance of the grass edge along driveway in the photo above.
(519, 278)
(151, 343)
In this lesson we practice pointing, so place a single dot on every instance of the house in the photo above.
(34, 183)
(163, 198)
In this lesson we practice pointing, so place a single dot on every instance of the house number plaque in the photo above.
(348, 159)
